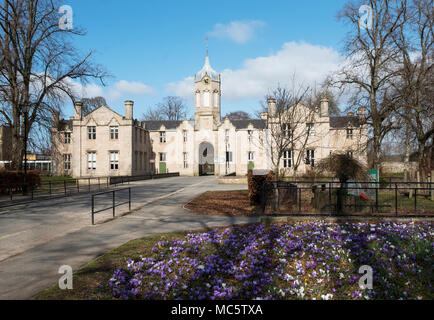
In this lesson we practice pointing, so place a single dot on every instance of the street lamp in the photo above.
(25, 108)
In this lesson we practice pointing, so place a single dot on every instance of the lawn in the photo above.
(299, 260)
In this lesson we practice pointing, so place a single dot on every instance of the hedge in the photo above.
(15, 180)
(255, 184)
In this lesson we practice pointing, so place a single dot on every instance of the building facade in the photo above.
(104, 143)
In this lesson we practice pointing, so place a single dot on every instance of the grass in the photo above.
(91, 281)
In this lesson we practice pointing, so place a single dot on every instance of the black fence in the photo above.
(124, 179)
(20, 193)
(113, 197)
(354, 198)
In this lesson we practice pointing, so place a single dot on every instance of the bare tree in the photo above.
(238, 115)
(290, 127)
(414, 87)
(172, 108)
(371, 68)
(90, 104)
(38, 66)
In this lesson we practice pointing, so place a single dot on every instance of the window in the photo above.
(91, 160)
(67, 161)
(350, 133)
(310, 129)
(251, 155)
(310, 157)
(206, 99)
(185, 160)
(114, 160)
(162, 137)
(163, 157)
(216, 99)
(114, 133)
(227, 135)
(286, 129)
(91, 133)
(250, 135)
(287, 159)
(350, 154)
(67, 137)
(185, 135)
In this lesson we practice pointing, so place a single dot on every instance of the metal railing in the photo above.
(11, 195)
(354, 198)
(113, 206)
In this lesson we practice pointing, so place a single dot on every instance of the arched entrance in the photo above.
(206, 159)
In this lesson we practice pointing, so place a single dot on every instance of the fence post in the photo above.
(78, 185)
(89, 184)
(114, 203)
(415, 200)
(64, 186)
(108, 181)
(129, 199)
(396, 199)
(10, 192)
(299, 201)
(99, 186)
(330, 199)
(49, 184)
(93, 208)
(376, 200)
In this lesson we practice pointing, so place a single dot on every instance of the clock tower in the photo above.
(207, 91)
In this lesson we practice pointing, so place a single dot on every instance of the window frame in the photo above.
(67, 160)
(163, 137)
(91, 160)
(114, 132)
(287, 159)
(67, 137)
(114, 161)
(91, 132)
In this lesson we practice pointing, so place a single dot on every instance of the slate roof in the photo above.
(343, 122)
(154, 125)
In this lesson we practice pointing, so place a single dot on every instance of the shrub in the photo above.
(15, 180)
(255, 184)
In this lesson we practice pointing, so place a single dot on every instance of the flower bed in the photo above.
(312, 260)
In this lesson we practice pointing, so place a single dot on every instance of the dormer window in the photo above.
(350, 133)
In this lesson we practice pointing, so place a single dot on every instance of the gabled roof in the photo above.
(154, 125)
(102, 106)
(343, 122)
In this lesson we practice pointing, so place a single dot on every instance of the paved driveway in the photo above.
(36, 239)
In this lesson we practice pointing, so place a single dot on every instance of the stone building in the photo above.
(104, 143)
(101, 143)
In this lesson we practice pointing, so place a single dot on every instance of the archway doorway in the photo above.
(206, 159)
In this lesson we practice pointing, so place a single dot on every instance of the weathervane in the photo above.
(206, 41)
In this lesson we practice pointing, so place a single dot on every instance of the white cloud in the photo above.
(309, 63)
(112, 93)
(237, 31)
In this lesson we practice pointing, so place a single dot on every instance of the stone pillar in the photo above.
(271, 106)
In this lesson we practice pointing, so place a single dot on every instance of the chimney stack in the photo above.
(351, 114)
(264, 115)
(324, 107)
(271, 106)
(129, 109)
(362, 113)
(78, 107)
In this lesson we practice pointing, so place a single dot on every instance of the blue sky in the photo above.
(153, 48)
